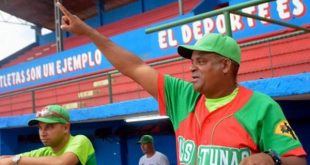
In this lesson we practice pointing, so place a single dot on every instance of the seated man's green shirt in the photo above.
(80, 145)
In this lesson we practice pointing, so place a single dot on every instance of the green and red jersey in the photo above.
(251, 123)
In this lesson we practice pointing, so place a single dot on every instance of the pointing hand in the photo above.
(72, 23)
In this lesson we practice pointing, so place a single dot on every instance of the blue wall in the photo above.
(122, 12)
(46, 39)
(113, 15)
(208, 5)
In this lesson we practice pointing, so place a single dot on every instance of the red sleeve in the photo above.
(296, 152)
(161, 94)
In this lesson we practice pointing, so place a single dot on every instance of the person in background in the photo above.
(60, 147)
(216, 121)
(151, 156)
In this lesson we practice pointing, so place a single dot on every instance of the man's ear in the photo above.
(67, 127)
(226, 66)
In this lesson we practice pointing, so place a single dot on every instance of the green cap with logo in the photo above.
(217, 43)
(51, 114)
(146, 139)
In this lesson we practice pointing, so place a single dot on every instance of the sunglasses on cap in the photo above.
(46, 113)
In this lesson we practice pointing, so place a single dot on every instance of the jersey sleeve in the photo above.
(176, 98)
(45, 151)
(267, 126)
(82, 147)
(281, 137)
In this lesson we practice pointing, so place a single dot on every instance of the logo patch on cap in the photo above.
(284, 128)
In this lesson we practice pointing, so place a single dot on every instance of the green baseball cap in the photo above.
(221, 44)
(51, 114)
(146, 139)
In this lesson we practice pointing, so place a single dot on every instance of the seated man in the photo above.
(60, 146)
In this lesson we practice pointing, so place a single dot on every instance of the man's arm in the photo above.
(294, 160)
(66, 159)
(5, 156)
(126, 62)
(265, 159)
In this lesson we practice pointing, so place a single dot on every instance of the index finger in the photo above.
(63, 9)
